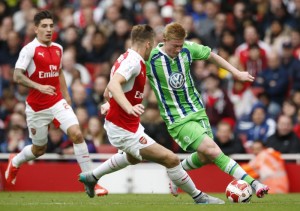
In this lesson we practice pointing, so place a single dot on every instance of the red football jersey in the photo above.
(42, 65)
(132, 66)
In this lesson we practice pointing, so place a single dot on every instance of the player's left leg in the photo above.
(213, 152)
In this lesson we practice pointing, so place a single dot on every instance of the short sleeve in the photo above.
(129, 68)
(198, 52)
(25, 56)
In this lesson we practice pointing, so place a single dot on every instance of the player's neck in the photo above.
(44, 43)
(139, 50)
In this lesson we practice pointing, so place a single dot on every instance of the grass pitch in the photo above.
(79, 201)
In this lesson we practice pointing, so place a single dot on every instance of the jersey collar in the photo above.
(41, 44)
(136, 53)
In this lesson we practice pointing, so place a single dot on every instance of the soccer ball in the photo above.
(238, 191)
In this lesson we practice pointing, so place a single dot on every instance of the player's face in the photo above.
(173, 47)
(44, 31)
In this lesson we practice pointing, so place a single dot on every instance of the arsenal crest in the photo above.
(143, 140)
(33, 131)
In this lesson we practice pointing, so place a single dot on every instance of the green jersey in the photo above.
(172, 82)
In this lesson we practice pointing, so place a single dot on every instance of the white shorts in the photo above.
(38, 122)
(127, 141)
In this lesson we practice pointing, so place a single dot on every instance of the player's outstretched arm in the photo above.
(20, 78)
(115, 88)
(240, 75)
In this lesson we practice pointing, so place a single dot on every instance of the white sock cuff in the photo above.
(80, 149)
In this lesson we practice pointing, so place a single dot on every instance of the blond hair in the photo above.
(174, 31)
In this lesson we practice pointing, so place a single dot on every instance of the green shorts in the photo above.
(190, 134)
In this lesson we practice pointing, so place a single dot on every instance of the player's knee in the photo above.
(76, 137)
(38, 151)
(172, 160)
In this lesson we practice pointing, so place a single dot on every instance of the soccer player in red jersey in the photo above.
(39, 68)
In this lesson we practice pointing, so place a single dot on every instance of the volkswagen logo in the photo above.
(176, 80)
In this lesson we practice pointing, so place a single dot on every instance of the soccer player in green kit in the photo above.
(181, 107)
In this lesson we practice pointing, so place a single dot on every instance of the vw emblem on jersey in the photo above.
(176, 80)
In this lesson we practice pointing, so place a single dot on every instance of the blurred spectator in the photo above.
(277, 11)
(95, 135)
(254, 60)
(98, 50)
(124, 11)
(227, 140)
(55, 140)
(110, 18)
(242, 98)
(239, 19)
(21, 92)
(4, 10)
(117, 40)
(188, 25)
(291, 65)
(258, 127)
(205, 25)
(217, 102)
(276, 35)
(15, 141)
(20, 17)
(268, 167)
(251, 37)
(87, 14)
(83, 117)
(289, 108)
(8, 102)
(81, 98)
(98, 89)
(5, 27)
(213, 37)
(149, 9)
(73, 70)
(10, 49)
(69, 38)
(274, 81)
(284, 140)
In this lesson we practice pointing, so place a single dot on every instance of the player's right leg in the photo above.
(176, 173)
(37, 123)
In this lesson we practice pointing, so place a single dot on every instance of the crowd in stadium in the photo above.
(258, 36)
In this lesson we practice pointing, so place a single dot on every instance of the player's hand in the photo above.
(137, 110)
(104, 108)
(47, 89)
(244, 76)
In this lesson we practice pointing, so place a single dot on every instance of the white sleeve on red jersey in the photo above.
(25, 57)
(129, 68)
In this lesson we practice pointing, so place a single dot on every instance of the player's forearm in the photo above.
(20, 78)
(116, 90)
(223, 63)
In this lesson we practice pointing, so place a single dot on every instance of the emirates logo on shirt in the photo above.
(33, 131)
(143, 140)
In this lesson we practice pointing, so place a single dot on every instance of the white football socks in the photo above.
(23, 156)
(182, 180)
(116, 162)
(82, 155)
